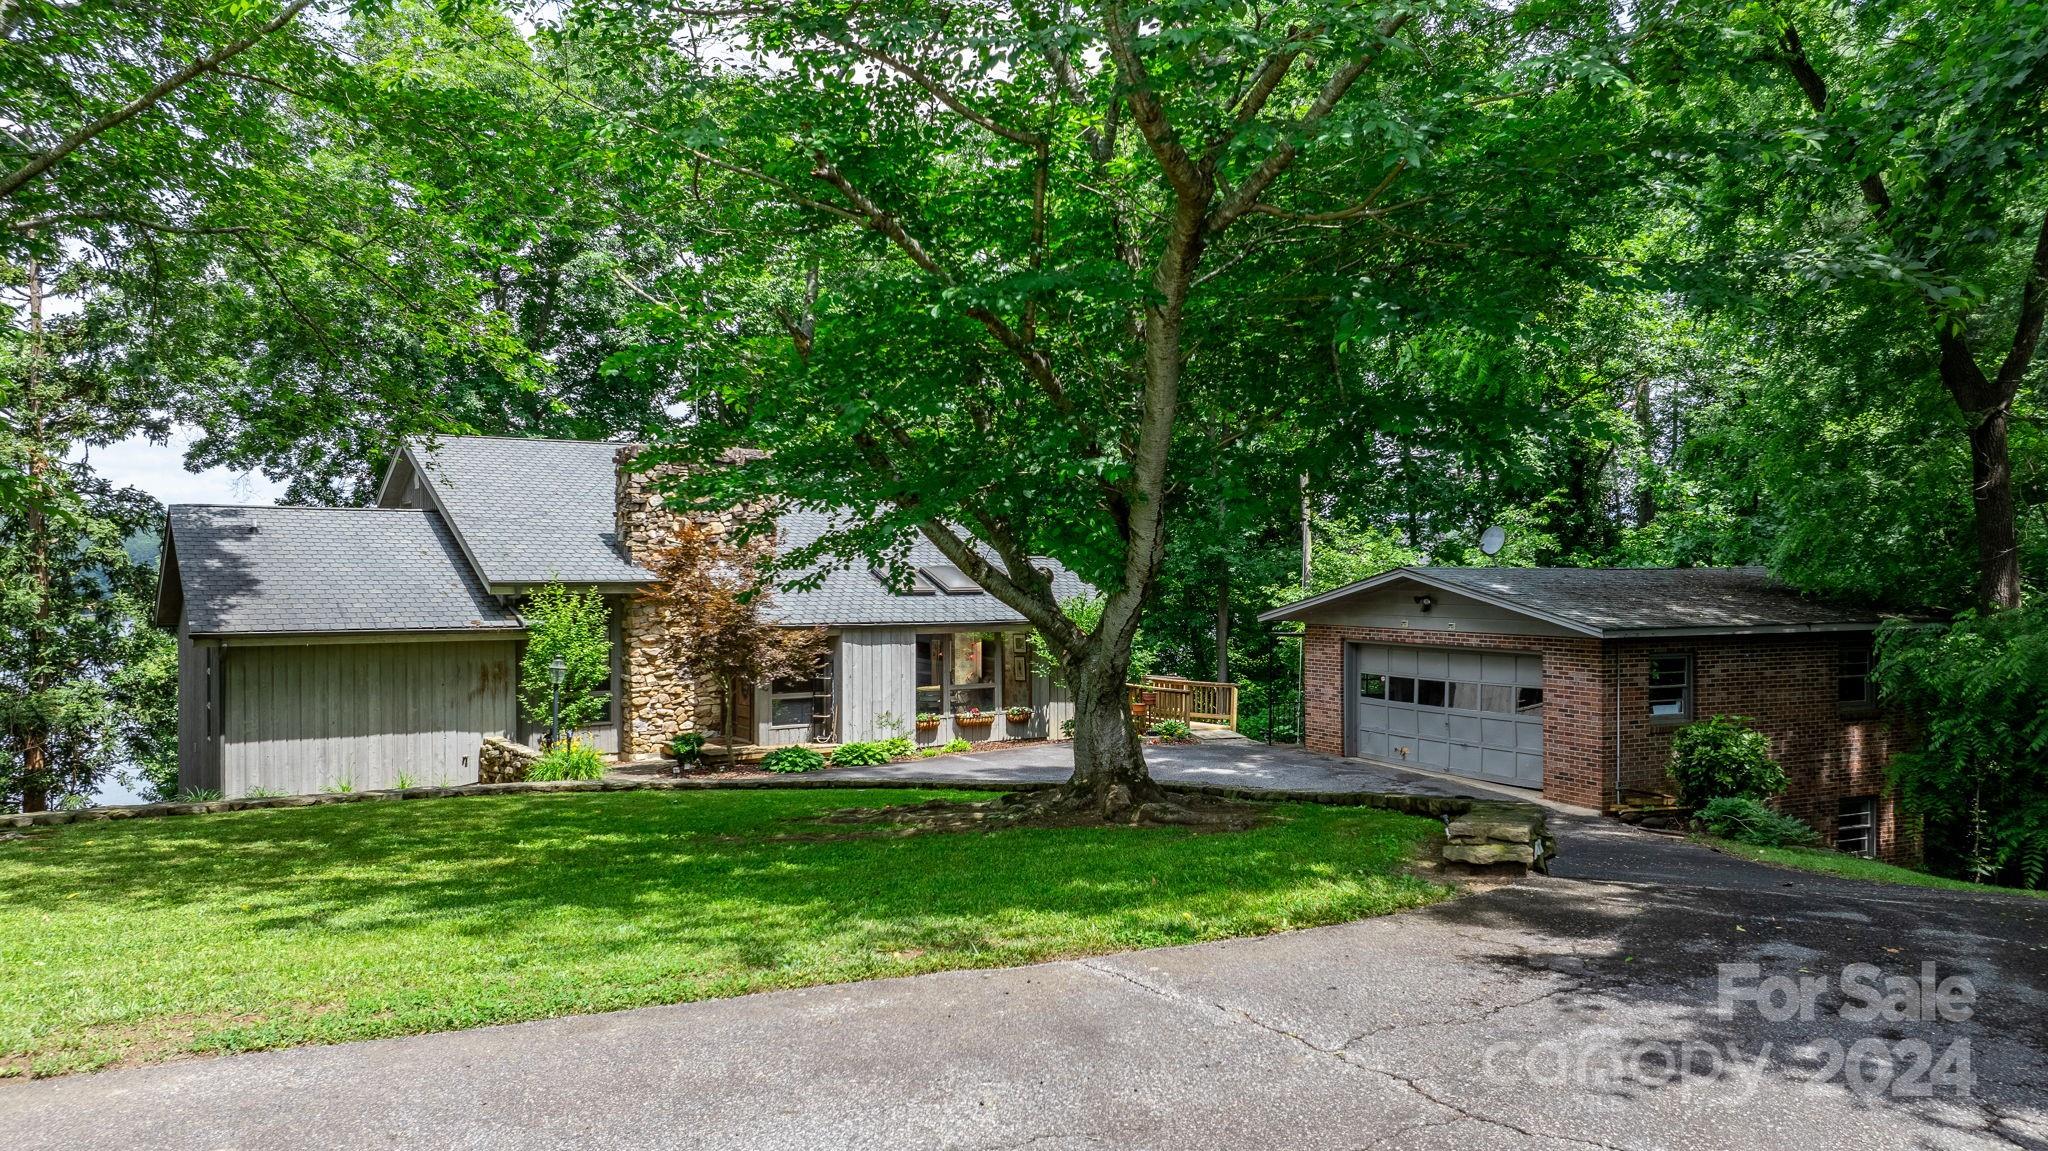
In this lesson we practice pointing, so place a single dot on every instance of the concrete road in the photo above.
(1572, 1011)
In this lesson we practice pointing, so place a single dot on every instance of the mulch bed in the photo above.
(721, 774)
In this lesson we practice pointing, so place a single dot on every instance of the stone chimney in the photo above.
(657, 701)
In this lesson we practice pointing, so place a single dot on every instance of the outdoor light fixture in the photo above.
(1426, 602)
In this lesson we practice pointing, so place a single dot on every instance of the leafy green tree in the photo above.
(1978, 692)
(1020, 277)
(1870, 189)
(574, 627)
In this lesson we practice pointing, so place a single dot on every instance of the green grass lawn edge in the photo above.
(136, 941)
(1824, 862)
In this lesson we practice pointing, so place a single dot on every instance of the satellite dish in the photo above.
(1492, 540)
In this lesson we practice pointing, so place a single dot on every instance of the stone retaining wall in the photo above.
(503, 761)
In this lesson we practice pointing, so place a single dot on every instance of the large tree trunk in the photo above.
(1109, 762)
(1998, 550)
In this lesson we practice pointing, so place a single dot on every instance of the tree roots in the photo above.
(1066, 806)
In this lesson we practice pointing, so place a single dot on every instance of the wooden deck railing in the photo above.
(1192, 700)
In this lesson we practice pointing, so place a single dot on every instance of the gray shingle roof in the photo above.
(1622, 601)
(531, 511)
(853, 597)
(244, 570)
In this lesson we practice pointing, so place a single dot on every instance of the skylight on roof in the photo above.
(916, 584)
(950, 579)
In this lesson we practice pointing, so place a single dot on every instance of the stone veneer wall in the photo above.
(657, 700)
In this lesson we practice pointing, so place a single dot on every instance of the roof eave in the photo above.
(1750, 629)
(348, 635)
(1293, 610)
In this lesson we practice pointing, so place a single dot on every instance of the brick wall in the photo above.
(1578, 731)
(1786, 684)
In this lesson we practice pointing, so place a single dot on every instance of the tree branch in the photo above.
(939, 91)
(164, 87)
(1239, 202)
(1187, 178)
(2033, 304)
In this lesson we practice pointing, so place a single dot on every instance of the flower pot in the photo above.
(1019, 717)
(973, 720)
(927, 725)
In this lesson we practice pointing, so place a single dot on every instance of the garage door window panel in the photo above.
(1400, 689)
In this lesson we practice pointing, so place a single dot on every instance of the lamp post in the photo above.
(558, 670)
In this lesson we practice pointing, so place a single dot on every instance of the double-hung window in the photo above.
(1671, 686)
(1856, 825)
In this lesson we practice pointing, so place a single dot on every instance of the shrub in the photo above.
(404, 782)
(567, 760)
(264, 793)
(1978, 691)
(957, 745)
(196, 795)
(793, 758)
(861, 754)
(688, 747)
(1174, 729)
(899, 747)
(575, 626)
(1720, 756)
(1744, 820)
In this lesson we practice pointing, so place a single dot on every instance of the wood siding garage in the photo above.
(1472, 713)
(303, 718)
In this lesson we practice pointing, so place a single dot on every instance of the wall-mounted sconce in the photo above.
(1425, 601)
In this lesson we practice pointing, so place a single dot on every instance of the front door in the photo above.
(1466, 712)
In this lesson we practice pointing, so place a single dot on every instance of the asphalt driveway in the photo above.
(1582, 1009)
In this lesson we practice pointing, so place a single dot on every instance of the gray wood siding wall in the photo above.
(304, 718)
(877, 676)
(1395, 607)
(198, 731)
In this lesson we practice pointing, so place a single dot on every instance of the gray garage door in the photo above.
(1470, 713)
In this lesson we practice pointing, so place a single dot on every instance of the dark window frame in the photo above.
(1849, 653)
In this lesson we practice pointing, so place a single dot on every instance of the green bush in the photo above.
(1175, 729)
(196, 795)
(899, 747)
(1744, 820)
(687, 748)
(957, 745)
(861, 754)
(793, 758)
(1977, 690)
(1721, 756)
(567, 760)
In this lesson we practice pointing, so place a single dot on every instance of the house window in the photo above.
(931, 674)
(1856, 826)
(1670, 686)
(975, 658)
(794, 702)
(1853, 686)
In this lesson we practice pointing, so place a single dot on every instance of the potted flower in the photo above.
(1018, 715)
(972, 717)
(926, 721)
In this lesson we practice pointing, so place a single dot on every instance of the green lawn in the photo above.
(1855, 867)
(139, 940)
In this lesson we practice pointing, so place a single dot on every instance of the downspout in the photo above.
(1614, 673)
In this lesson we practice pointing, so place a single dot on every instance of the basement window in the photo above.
(1671, 686)
(1856, 826)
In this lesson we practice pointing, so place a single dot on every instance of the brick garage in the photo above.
(1627, 657)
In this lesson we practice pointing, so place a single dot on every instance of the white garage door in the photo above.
(1470, 713)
